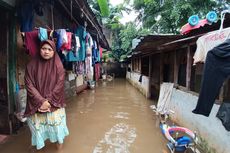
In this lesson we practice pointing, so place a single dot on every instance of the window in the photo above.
(136, 65)
(145, 66)
(182, 68)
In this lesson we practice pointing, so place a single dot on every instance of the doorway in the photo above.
(7, 70)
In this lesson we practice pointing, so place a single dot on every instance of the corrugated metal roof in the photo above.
(168, 42)
(151, 43)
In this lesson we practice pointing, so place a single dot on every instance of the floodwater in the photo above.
(113, 118)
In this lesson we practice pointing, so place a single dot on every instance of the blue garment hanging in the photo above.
(42, 34)
(70, 57)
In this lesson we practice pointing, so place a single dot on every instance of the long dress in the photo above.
(51, 125)
(44, 80)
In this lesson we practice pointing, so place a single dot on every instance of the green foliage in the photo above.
(96, 9)
(127, 35)
(122, 43)
(173, 13)
(103, 7)
(168, 17)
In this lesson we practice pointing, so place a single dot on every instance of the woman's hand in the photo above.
(45, 107)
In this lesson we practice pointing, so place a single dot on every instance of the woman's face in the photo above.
(46, 51)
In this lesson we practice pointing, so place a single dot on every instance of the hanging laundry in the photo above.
(67, 45)
(224, 115)
(101, 50)
(95, 44)
(64, 52)
(216, 70)
(98, 56)
(208, 42)
(163, 103)
(88, 46)
(32, 43)
(70, 57)
(91, 41)
(79, 68)
(88, 50)
(62, 57)
(77, 48)
(42, 34)
(81, 33)
(89, 68)
(78, 45)
(78, 42)
(73, 44)
(26, 15)
(95, 53)
(51, 35)
(61, 36)
(97, 71)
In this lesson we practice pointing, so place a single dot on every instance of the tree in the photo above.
(122, 34)
(103, 4)
(171, 15)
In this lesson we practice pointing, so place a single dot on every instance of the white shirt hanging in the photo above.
(208, 42)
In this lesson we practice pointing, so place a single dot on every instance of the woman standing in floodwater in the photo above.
(44, 79)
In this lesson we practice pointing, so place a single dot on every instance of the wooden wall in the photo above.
(155, 76)
(145, 65)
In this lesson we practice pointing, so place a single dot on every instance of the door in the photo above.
(5, 125)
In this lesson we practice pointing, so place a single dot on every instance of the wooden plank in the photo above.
(150, 76)
(161, 67)
(188, 68)
(150, 67)
(175, 67)
(11, 70)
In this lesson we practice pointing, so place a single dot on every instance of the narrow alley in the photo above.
(113, 118)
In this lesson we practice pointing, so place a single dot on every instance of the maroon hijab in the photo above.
(44, 80)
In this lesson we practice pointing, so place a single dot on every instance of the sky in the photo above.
(126, 17)
(116, 2)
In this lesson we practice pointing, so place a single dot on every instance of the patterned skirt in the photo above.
(51, 125)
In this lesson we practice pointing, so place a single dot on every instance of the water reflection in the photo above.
(105, 120)
(120, 115)
(117, 140)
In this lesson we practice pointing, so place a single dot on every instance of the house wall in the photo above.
(155, 74)
(4, 85)
(145, 65)
(143, 87)
(209, 128)
(116, 69)
(80, 80)
(168, 63)
(213, 136)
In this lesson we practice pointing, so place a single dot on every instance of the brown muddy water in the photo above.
(113, 118)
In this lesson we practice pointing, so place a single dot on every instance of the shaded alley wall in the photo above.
(116, 68)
